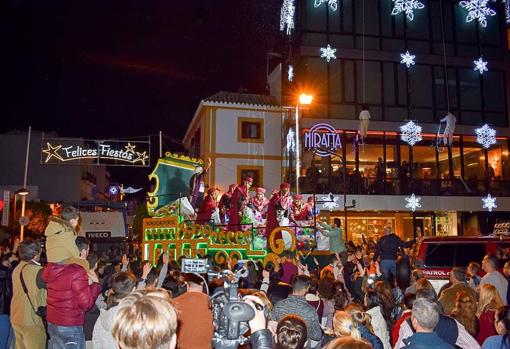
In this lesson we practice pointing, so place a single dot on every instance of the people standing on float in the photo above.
(299, 208)
(208, 206)
(197, 186)
(226, 203)
(310, 205)
(259, 203)
(240, 199)
(279, 209)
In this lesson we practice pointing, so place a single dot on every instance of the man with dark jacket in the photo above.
(424, 318)
(297, 304)
(72, 291)
(387, 248)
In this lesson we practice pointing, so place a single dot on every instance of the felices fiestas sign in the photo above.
(323, 138)
(95, 152)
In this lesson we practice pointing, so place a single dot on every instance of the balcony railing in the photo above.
(394, 186)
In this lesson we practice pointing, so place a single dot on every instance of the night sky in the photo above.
(123, 68)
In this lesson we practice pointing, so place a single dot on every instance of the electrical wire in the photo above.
(446, 81)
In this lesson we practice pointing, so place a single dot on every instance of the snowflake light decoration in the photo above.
(410, 133)
(480, 65)
(489, 202)
(485, 136)
(328, 52)
(333, 4)
(413, 202)
(287, 16)
(406, 6)
(407, 59)
(507, 11)
(290, 73)
(477, 9)
(330, 202)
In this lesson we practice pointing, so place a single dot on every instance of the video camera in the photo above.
(230, 313)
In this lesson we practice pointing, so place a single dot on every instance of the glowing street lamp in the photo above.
(304, 99)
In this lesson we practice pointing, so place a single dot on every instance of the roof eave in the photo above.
(241, 105)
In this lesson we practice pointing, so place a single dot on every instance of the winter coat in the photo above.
(60, 240)
(370, 337)
(22, 314)
(102, 336)
(379, 325)
(69, 293)
(431, 340)
(262, 339)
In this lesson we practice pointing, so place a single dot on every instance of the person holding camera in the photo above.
(29, 298)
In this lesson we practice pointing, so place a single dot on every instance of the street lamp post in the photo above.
(346, 207)
(304, 99)
(24, 192)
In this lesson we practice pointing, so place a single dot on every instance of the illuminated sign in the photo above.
(323, 139)
(95, 152)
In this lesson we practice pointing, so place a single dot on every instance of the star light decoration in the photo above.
(290, 73)
(489, 202)
(480, 65)
(328, 52)
(477, 9)
(485, 136)
(333, 4)
(330, 202)
(287, 16)
(52, 151)
(410, 133)
(407, 59)
(413, 202)
(406, 6)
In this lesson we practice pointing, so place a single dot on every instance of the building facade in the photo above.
(241, 134)
(381, 170)
(374, 177)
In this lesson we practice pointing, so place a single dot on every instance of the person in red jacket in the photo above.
(208, 206)
(240, 199)
(408, 307)
(72, 291)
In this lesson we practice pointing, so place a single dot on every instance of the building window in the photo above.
(255, 172)
(250, 130)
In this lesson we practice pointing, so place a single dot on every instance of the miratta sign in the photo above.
(95, 152)
(323, 139)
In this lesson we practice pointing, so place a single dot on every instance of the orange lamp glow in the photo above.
(305, 99)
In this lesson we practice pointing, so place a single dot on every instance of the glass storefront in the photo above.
(370, 225)
(386, 165)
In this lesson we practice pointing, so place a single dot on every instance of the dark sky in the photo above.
(123, 68)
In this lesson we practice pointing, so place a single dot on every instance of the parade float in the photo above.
(172, 227)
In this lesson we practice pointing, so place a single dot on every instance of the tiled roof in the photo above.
(242, 98)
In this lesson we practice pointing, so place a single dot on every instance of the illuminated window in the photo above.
(255, 172)
(250, 130)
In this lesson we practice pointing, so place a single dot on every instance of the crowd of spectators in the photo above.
(75, 299)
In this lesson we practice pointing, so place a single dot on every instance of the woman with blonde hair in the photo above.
(344, 326)
(347, 343)
(489, 301)
(362, 321)
(464, 312)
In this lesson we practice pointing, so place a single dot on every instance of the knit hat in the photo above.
(261, 190)
(285, 185)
